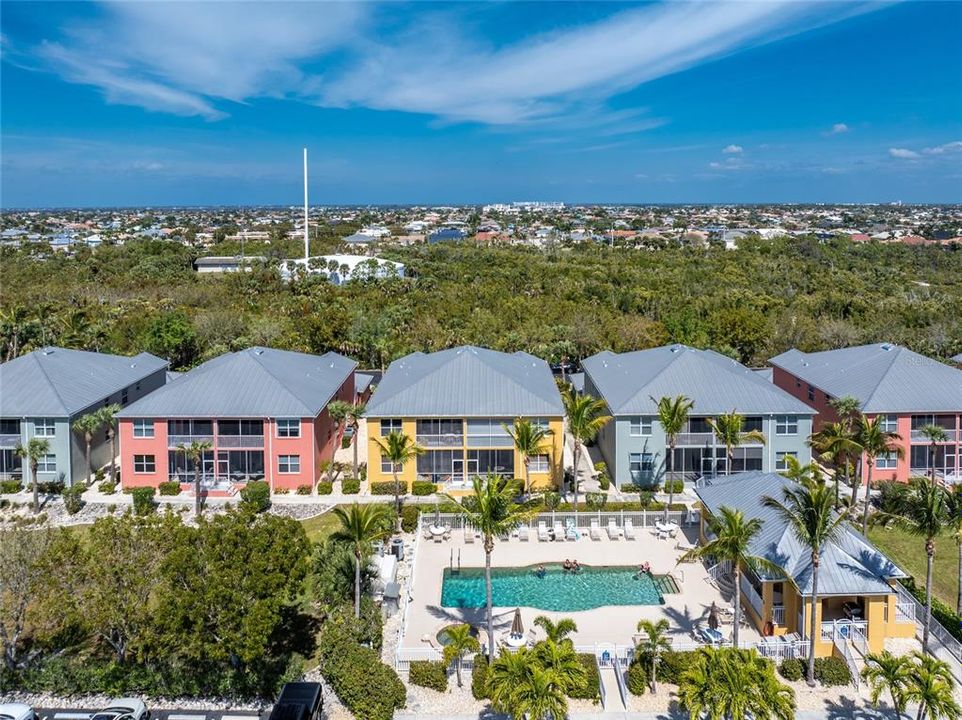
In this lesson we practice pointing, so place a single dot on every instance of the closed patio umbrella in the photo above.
(713, 617)
(516, 627)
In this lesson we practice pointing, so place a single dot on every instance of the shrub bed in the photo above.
(672, 664)
(387, 488)
(430, 674)
(72, 500)
(306, 489)
(350, 486)
(832, 671)
(9, 486)
(479, 677)
(107, 487)
(171, 487)
(421, 488)
(590, 689)
(637, 677)
(54, 487)
(256, 495)
(946, 616)
(675, 486)
(792, 669)
(143, 500)
(409, 517)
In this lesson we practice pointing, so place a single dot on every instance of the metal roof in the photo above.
(256, 382)
(957, 358)
(850, 565)
(57, 382)
(467, 381)
(714, 382)
(882, 377)
(362, 381)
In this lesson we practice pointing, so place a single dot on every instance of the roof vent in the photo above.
(47, 351)
(258, 351)
(886, 347)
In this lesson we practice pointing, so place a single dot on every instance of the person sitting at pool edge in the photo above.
(566, 565)
(645, 568)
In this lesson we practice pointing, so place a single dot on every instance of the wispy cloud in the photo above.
(903, 153)
(733, 150)
(955, 146)
(196, 58)
(838, 129)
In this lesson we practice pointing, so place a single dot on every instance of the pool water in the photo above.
(591, 587)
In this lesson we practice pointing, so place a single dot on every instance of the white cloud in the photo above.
(903, 153)
(945, 148)
(732, 149)
(838, 129)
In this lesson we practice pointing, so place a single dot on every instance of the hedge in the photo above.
(832, 671)
(350, 486)
(946, 616)
(421, 488)
(672, 664)
(107, 487)
(590, 689)
(409, 517)
(323, 488)
(387, 488)
(430, 674)
(72, 500)
(479, 677)
(637, 677)
(169, 488)
(675, 486)
(792, 669)
(256, 495)
(143, 500)
(9, 486)
(54, 487)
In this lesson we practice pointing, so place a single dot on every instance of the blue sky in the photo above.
(161, 103)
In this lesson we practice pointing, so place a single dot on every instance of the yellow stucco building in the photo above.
(857, 599)
(457, 405)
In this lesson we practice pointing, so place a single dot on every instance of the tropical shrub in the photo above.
(256, 495)
(675, 486)
(832, 671)
(9, 486)
(143, 500)
(106, 487)
(323, 488)
(479, 677)
(596, 501)
(637, 677)
(590, 689)
(171, 487)
(72, 499)
(409, 517)
(350, 486)
(53, 487)
(946, 616)
(421, 488)
(792, 669)
(672, 664)
(430, 674)
(387, 487)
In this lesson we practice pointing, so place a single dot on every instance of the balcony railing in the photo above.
(753, 597)
(445, 440)
(240, 441)
(951, 436)
(9, 441)
(704, 438)
(778, 615)
(175, 440)
(904, 612)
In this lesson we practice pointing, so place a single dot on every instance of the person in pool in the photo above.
(644, 568)
(567, 565)
(541, 571)
(575, 567)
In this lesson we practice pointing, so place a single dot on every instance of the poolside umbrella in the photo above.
(516, 627)
(713, 617)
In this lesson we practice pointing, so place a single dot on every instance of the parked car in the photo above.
(123, 709)
(17, 711)
(298, 701)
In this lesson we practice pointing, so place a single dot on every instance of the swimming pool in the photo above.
(592, 587)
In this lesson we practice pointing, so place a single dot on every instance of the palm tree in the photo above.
(953, 511)
(874, 442)
(460, 642)
(796, 472)
(922, 511)
(362, 525)
(195, 454)
(540, 696)
(556, 631)
(885, 672)
(734, 536)
(32, 452)
(673, 416)
(836, 443)
(354, 415)
(733, 684)
(809, 511)
(561, 659)
(493, 513)
(529, 440)
(586, 417)
(506, 673)
(935, 434)
(728, 430)
(88, 425)
(653, 644)
(932, 687)
(109, 420)
(399, 449)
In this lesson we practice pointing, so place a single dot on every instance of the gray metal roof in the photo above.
(882, 377)
(850, 565)
(577, 381)
(957, 358)
(57, 382)
(362, 381)
(256, 382)
(714, 382)
(467, 381)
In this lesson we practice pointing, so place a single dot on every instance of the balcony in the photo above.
(9, 440)
(702, 438)
(749, 592)
(951, 436)
(240, 441)
(778, 615)
(174, 440)
(441, 441)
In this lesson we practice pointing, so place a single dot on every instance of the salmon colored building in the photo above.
(263, 412)
(908, 390)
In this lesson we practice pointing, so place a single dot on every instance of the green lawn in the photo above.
(908, 551)
(319, 528)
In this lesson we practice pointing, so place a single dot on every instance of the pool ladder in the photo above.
(451, 561)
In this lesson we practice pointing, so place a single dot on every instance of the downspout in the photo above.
(270, 454)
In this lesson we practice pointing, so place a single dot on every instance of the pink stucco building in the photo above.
(263, 411)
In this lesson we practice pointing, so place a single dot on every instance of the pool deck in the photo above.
(609, 625)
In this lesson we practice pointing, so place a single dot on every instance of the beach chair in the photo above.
(594, 530)
(468, 535)
(571, 530)
(613, 532)
(447, 531)
(543, 531)
(629, 530)
(427, 533)
(523, 533)
(559, 532)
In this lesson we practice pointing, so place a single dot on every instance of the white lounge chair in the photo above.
(543, 531)
(613, 532)
(523, 533)
(595, 531)
(629, 530)
(468, 535)
(559, 532)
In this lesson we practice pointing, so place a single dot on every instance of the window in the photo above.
(786, 425)
(752, 422)
(748, 458)
(887, 461)
(244, 428)
(781, 463)
(143, 428)
(436, 465)
(889, 423)
(47, 464)
(486, 432)
(9, 427)
(498, 462)
(640, 426)
(811, 393)
(440, 433)
(288, 427)
(539, 464)
(123, 396)
(390, 425)
(388, 467)
(144, 464)
(196, 428)
(10, 462)
(241, 464)
(288, 463)
(641, 466)
(539, 422)
(44, 427)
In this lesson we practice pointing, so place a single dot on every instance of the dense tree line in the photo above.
(569, 301)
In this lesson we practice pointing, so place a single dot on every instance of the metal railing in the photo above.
(601, 682)
(620, 677)
(402, 657)
(843, 647)
(842, 629)
(639, 518)
(904, 612)
(951, 436)
(444, 440)
(754, 599)
(9, 441)
(778, 614)
(936, 629)
(174, 440)
(240, 441)
(691, 438)
(776, 648)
